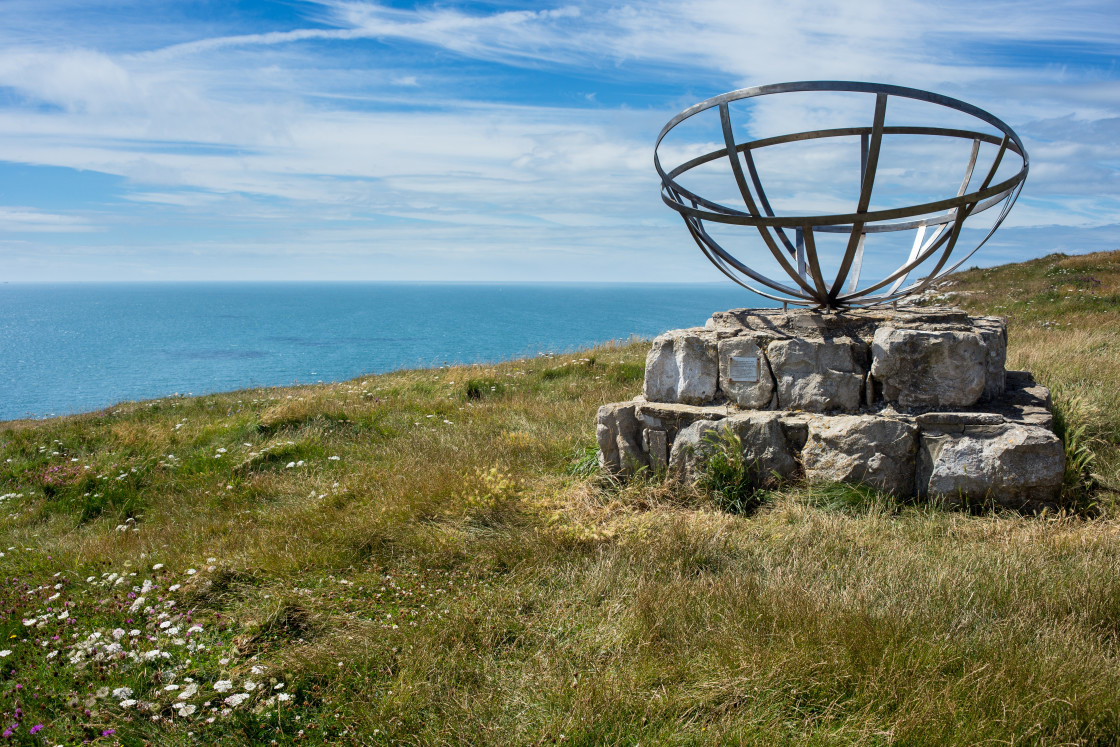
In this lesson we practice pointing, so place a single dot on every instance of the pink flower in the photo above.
(35, 729)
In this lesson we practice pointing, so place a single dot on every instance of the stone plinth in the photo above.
(913, 401)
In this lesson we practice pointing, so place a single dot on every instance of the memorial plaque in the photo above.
(744, 369)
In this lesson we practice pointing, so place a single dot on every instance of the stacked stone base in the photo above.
(914, 402)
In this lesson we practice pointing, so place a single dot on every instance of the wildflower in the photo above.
(191, 571)
(250, 685)
(284, 697)
(108, 732)
(334, 458)
(171, 688)
(188, 691)
(236, 699)
(128, 703)
(257, 669)
(157, 566)
(122, 692)
(36, 728)
(6, 652)
(173, 587)
(187, 710)
(223, 686)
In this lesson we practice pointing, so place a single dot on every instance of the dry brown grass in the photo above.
(575, 609)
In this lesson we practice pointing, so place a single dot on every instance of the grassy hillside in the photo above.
(427, 557)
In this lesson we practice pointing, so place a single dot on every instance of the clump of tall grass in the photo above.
(1072, 424)
(733, 483)
(495, 493)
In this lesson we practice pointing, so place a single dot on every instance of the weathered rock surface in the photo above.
(753, 386)
(939, 414)
(880, 452)
(682, 366)
(862, 323)
(692, 448)
(619, 435)
(762, 440)
(819, 375)
(672, 417)
(993, 333)
(921, 368)
(1012, 465)
(1025, 401)
(955, 422)
(661, 421)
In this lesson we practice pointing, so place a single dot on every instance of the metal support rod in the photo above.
(937, 223)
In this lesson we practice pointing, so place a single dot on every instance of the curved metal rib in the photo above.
(947, 216)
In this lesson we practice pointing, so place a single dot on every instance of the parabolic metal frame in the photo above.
(797, 255)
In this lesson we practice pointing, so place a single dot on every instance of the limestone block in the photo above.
(867, 449)
(619, 435)
(671, 417)
(750, 385)
(922, 368)
(764, 445)
(1013, 465)
(764, 442)
(682, 366)
(818, 375)
(692, 447)
(955, 422)
(993, 332)
(1025, 401)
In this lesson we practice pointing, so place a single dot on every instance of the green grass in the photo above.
(431, 557)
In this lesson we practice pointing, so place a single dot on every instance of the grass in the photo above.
(429, 557)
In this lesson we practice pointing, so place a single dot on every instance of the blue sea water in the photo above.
(67, 348)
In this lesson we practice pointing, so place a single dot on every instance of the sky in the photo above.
(164, 140)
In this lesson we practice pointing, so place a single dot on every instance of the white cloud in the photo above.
(30, 220)
(274, 126)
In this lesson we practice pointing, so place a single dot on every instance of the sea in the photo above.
(79, 347)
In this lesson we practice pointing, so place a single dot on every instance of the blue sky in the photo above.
(347, 140)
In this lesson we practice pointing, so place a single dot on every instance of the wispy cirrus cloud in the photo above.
(454, 124)
(29, 220)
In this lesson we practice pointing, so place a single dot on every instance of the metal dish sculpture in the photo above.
(791, 238)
